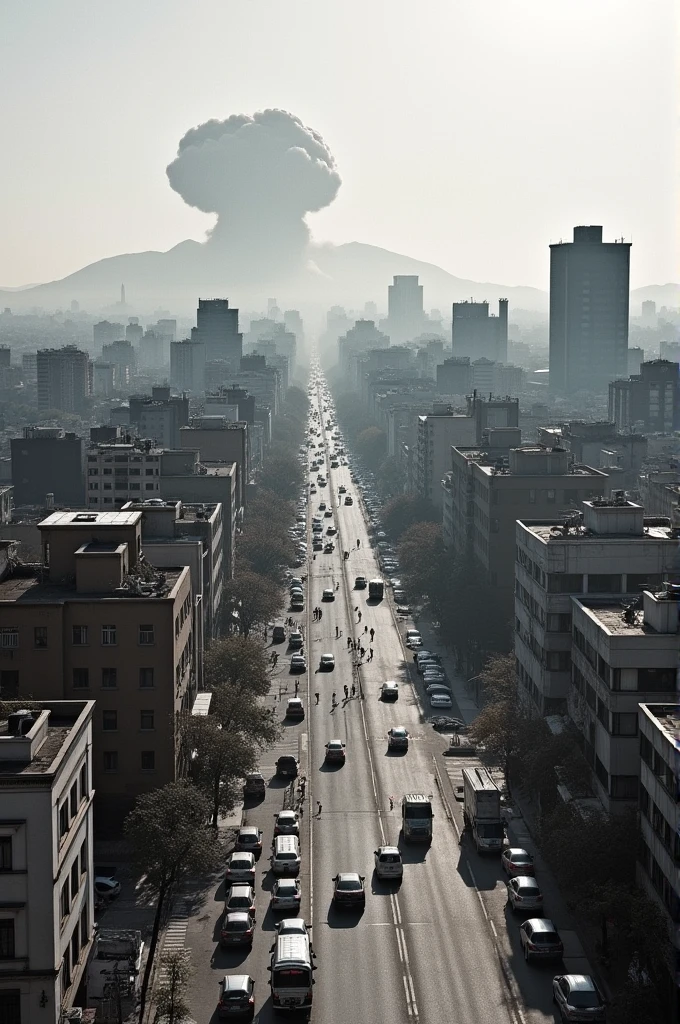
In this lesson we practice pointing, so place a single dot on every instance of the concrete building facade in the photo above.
(118, 473)
(648, 400)
(46, 845)
(64, 379)
(477, 335)
(46, 460)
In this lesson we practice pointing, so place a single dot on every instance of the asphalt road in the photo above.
(426, 951)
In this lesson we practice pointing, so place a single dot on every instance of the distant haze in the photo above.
(468, 135)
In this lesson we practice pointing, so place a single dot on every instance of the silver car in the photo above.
(286, 894)
(524, 893)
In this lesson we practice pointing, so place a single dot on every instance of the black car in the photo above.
(349, 890)
(237, 997)
(287, 766)
(237, 930)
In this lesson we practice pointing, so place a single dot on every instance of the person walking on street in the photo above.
(370, 654)
(359, 616)
(320, 613)
(358, 543)
(372, 634)
(354, 690)
(362, 651)
(333, 700)
(365, 629)
(346, 691)
(316, 696)
(337, 632)
(318, 809)
(297, 686)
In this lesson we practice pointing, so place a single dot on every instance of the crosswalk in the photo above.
(175, 932)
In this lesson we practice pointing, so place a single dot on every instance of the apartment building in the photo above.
(659, 860)
(46, 845)
(601, 445)
(649, 399)
(187, 366)
(175, 533)
(159, 416)
(118, 473)
(620, 657)
(64, 379)
(220, 441)
(45, 460)
(437, 433)
(608, 550)
(97, 620)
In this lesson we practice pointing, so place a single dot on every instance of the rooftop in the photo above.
(31, 744)
(81, 517)
(611, 618)
(555, 530)
(30, 589)
(667, 717)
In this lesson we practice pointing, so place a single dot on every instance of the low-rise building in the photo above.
(608, 550)
(620, 657)
(46, 845)
(118, 473)
(97, 620)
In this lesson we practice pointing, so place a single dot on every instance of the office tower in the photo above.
(217, 328)
(45, 461)
(29, 367)
(5, 356)
(454, 376)
(151, 350)
(63, 379)
(104, 333)
(133, 332)
(476, 334)
(159, 416)
(123, 357)
(649, 313)
(650, 399)
(589, 282)
(405, 317)
(187, 366)
(636, 357)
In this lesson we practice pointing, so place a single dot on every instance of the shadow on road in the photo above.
(412, 853)
(346, 918)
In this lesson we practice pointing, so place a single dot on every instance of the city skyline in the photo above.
(415, 139)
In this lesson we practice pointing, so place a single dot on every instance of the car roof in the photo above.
(335, 743)
(541, 924)
(248, 830)
(238, 915)
(236, 982)
(349, 876)
(293, 925)
(580, 982)
(525, 882)
(398, 728)
(327, 655)
(514, 851)
(287, 814)
(390, 682)
(388, 849)
(239, 889)
(240, 855)
(290, 882)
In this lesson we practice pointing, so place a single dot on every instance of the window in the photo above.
(9, 636)
(65, 899)
(5, 853)
(7, 938)
(79, 636)
(604, 583)
(84, 930)
(148, 760)
(146, 634)
(149, 472)
(532, 496)
(146, 678)
(551, 496)
(75, 878)
(558, 661)
(647, 581)
(84, 788)
(108, 635)
(565, 583)
(603, 713)
(624, 787)
(109, 721)
(624, 723)
(73, 800)
(9, 683)
(135, 487)
(81, 678)
(659, 680)
(149, 487)
(624, 679)
(75, 946)
(146, 719)
(40, 637)
(558, 623)
(110, 760)
(83, 857)
(107, 472)
(63, 819)
(109, 678)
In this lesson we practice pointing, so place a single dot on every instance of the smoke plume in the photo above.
(261, 175)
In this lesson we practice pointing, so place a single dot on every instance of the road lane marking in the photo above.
(408, 996)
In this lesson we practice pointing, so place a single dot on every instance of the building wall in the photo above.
(42, 465)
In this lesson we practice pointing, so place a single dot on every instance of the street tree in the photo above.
(171, 839)
(265, 554)
(240, 712)
(255, 598)
(351, 414)
(282, 473)
(371, 446)
(503, 725)
(420, 554)
(404, 511)
(239, 662)
(219, 758)
(171, 996)
(390, 478)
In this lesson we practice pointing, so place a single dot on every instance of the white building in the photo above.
(117, 473)
(46, 843)
(608, 550)
(620, 658)
(659, 863)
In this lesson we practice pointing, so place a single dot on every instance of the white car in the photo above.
(328, 594)
(327, 662)
(240, 868)
(389, 690)
(440, 700)
(107, 888)
(286, 894)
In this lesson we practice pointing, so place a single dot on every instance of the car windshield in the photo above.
(583, 999)
(348, 884)
(286, 856)
(389, 858)
(239, 925)
(234, 994)
(520, 858)
(399, 733)
(423, 810)
(545, 938)
(239, 901)
(287, 889)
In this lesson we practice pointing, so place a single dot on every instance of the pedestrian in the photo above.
(316, 696)
(349, 642)
(354, 690)
(346, 691)
(370, 654)
(372, 634)
(362, 651)
(391, 803)
(337, 632)
(337, 586)
(359, 616)
(356, 607)
(297, 686)
(320, 613)
(318, 809)
(333, 700)
(366, 630)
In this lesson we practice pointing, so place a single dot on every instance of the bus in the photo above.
(292, 971)
(416, 817)
(376, 589)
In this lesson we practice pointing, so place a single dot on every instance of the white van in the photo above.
(285, 858)
(388, 862)
(291, 971)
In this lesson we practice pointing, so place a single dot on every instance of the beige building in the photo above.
(218, 440)
(99, 621)
(46, 873)
(117, 473)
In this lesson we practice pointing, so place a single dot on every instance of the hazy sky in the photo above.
(469, 133)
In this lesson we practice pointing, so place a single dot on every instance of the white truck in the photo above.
(482, 810)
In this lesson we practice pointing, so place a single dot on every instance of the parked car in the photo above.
(540, 940)
(295, 639)
(524, 893)
(360, 583)
(106, 888)
(516, 861)
(298, 663)
(237, 930)
(240, 898)
(578, 998)
(249, 840)
(349, 890)
(295, 708)
(287, 823)
(287, 766)
(440, 700)
(240, 868)
(286, 895)
(254, 784)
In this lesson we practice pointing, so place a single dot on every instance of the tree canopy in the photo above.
(404, 511)
(256, 599)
